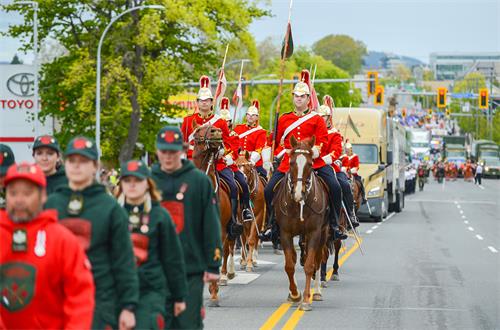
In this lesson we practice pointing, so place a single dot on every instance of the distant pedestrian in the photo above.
(6, 159)
(47, 155)
(479, 173)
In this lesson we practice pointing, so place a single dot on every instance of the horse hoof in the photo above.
(223, 282)
(243, 262)
(249, 269)
(294, 300)
(254, 263)
(278, 252)
(213, 303)
(323, 284)
(335, 277)
(317, 297)
(242, 267)
(231, 275)
(306, 307)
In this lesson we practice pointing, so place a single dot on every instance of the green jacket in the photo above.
(200, 231)
(163, 269)
(109, 249)
(56, 180)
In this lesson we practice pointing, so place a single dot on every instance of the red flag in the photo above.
(221, 87)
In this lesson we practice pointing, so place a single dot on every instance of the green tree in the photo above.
(144, 54)
(472, 82)
(16, 60)
(341, 50)
(301, 59)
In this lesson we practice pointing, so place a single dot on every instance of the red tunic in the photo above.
(187, 130)
(354, 164)
(51, 290)
(334, 147)
(254, 141)
(234, 146)
(314, 126)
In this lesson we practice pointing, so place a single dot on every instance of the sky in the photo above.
(404, 27)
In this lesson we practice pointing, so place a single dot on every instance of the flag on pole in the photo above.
(238, 99)
(287, 41)
(352, 125)
(221, 87)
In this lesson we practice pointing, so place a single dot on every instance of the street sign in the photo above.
(466, 107)
(462, 95)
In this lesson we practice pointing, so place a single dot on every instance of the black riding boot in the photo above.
(247, 212)
(334, 226)
(234, 228)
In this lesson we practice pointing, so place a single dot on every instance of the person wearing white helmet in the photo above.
(354, 168)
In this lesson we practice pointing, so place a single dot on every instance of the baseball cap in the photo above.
(169, 138)
(6, 158)
(135, 168)
(27, 171)
(82, 145)
(47, 141)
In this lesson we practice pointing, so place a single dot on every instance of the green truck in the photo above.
(454, 149)
(487, 153)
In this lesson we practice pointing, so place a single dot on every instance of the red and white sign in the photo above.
(17, 106)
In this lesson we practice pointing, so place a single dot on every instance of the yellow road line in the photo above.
(298, 314)
(276, 317)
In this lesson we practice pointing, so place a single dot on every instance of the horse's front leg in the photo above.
(294, 295)
(309, 269)
(335, 276)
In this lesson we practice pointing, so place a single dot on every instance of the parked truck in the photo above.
(454, 149)
(382, 150)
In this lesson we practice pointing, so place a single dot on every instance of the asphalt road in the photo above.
(436, 265)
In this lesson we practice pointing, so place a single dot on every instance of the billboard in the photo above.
(17, 106)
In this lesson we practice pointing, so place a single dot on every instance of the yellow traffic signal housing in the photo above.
(429, 112)
(372, 85)
(379, 95)
(483, 98)
(441, 97)
(403, 112)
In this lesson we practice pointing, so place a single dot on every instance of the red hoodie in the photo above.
(45, 277)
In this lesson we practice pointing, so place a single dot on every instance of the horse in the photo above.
(334, 246)
(251, 229)
(301, 206)
(207, 144)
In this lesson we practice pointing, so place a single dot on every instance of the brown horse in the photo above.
(207, 143)
(300, 204)
(336, 245)
(251, 229)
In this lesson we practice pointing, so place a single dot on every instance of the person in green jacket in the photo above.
(47, 155)
(101, 226)
(6, 159)
(157, 249)
(188, 195)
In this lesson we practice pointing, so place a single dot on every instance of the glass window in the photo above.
(368, 153)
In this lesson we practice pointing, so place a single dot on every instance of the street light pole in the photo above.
(35, 58)
(98, 75)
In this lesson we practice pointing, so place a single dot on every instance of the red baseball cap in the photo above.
(27, 171)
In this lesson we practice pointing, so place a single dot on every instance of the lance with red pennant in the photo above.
(286, 52)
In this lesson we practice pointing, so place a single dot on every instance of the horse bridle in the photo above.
(307, 180)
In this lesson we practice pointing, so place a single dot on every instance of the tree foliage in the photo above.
(341, 50)
(144, 55)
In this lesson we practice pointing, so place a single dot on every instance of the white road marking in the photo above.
(492, 249)
(479, 237)
(390, 215)
(374, 227)
(461, 212)
(470, 228)
(459, 206)
(244, 278)
(369, 231)
(481, 187)
(464, 217)
(466, 222)
(455, 202)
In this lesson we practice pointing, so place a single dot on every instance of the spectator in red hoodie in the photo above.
(45, 278)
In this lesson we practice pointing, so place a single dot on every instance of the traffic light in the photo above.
(379, 95)
(429, 112)
(372, 84)
(483, 98)
(441, 97)
(447, 112)
(403, 112)
(62, 105)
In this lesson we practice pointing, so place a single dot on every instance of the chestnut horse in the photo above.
(207, 143)
(251, 229)
(301, 206)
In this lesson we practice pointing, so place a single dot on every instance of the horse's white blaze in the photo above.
(301, 163)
